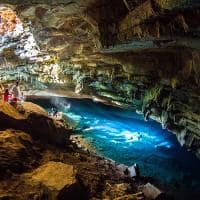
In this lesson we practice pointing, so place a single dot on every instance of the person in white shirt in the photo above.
(15, 90)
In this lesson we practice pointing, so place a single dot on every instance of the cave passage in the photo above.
(124, 137)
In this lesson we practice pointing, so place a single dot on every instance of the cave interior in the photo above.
(135, 56)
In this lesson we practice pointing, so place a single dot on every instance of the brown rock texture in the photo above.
(34, 120)
(16, 152)
(58, 179)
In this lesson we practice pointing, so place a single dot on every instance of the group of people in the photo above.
(55, 113)
(13, 94)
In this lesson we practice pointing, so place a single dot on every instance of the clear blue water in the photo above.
(124, 137)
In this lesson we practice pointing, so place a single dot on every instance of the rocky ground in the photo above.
(38, 161)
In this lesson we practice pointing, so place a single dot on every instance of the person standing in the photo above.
(6, 96)
(15, 90)
(1, 87)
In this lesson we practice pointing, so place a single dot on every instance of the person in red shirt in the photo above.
(6, 96)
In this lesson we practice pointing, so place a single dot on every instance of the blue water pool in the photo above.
(124, 137)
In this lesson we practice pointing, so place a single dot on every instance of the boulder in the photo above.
(28, 107)
(42, 126)
(47, 129)
(10, 117)
(150, 191)
(58, 180)
(54, 175)
(33, 119)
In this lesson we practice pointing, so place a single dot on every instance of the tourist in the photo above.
(22, 97)
(137, 170)
(53, 112)
(1, 87)
(1, 90)
(7, 96)
(15, 90)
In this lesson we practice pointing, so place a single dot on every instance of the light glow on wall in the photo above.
(13, 34)
(17, 37)
(8, 20)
